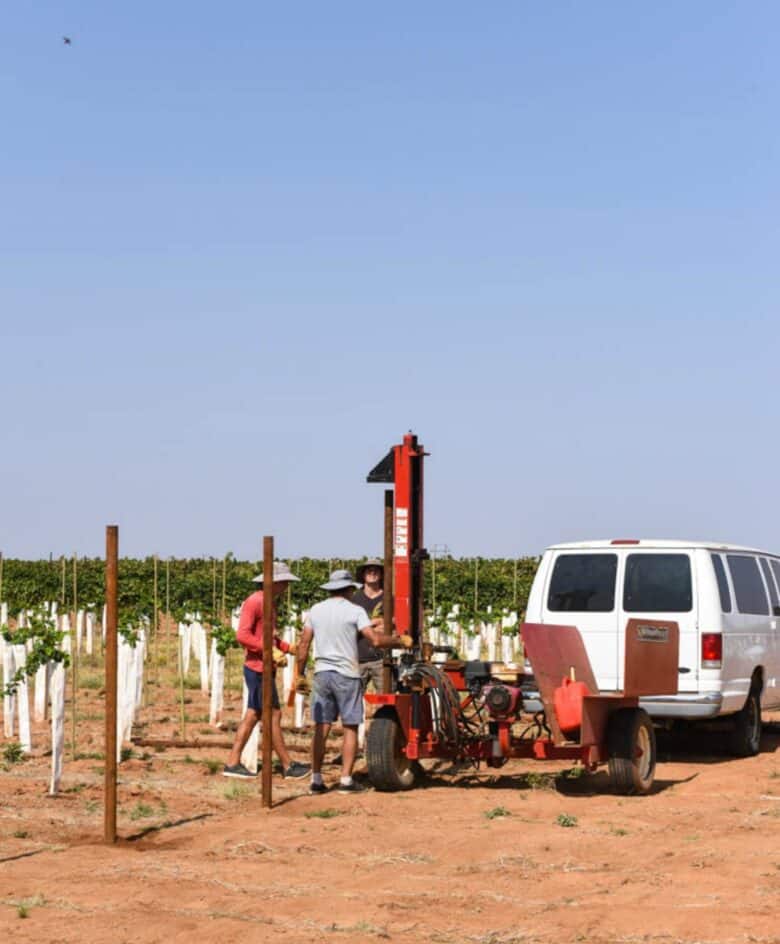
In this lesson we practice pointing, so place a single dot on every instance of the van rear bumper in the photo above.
(693, 707)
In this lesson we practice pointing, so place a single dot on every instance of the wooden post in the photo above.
(514, 587)
(74, 653)
(433, 584)
(224, 589)
(1, 576)
(387, 592)
(156, 624)
(268, 665)
(112, 563)
(62, 585)
(213, 587)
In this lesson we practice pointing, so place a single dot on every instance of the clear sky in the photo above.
(244, 247)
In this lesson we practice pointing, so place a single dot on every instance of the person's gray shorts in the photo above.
(336, 696)
(371, 672)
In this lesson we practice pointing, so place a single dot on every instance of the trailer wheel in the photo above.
(745, 739)
(631, 747)
(389, 769)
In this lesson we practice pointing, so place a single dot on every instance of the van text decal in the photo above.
(652, 633)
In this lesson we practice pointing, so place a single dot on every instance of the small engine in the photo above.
(502, 701)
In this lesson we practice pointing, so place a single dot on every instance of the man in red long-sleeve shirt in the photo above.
(250, 635)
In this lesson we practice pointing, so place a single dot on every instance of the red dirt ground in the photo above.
(469, 857)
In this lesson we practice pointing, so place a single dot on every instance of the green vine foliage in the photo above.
(46, 647)
(225, 637)
(195, 585)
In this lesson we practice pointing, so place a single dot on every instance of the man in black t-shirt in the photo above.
(370, 597)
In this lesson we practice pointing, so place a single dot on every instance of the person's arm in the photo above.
(303, 647)
(249, 633)
(381, 641)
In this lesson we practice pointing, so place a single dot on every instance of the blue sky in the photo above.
(244, 248)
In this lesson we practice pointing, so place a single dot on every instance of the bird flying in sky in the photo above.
(67, 40)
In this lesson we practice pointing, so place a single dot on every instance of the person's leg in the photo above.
(278, 739)
(321, 732)
(243, 732)
(348, 751)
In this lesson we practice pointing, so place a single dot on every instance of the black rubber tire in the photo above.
(745, 735)
(389, 769)
(632, 751)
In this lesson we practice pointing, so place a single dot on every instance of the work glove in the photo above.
(280, 658)
(406, 641)
(302, 686)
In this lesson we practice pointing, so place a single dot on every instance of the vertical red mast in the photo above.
(403, 466)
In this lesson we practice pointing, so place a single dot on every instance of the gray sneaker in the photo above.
(238, 770)
(297, 771)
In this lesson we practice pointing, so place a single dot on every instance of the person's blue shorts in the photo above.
(336, 696)
(254, 682)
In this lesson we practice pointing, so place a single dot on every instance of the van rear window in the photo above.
(658, 583)
(583, 583)
(748, 585)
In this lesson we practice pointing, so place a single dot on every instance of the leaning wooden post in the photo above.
(112, 563)
(387, 592)
(268, 665)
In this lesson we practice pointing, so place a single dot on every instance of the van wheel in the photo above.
(631, 748)
(745, 740)
(389, 768)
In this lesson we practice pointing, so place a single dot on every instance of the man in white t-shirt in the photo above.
(336, 624)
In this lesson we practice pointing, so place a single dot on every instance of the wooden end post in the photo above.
(112, 561)
(268, 666)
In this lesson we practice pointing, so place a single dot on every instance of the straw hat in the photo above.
(282, 574)
(340, 580)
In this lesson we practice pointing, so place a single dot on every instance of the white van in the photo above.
(726, 600)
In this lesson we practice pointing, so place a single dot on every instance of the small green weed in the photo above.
(141, 811)
(327, 813)
(235, 791)
(94, 682)
(567, 821)
(91, 806)
(21, 834)
(213, 766)
(127, 754)
(618, 831)
(13, 753)
(496, 813)
(76, 788)
(23, 911)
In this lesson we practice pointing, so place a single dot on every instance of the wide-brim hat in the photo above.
(340, 580)
(360, 574)
(282, 574)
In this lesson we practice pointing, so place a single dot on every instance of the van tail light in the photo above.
(711, 650)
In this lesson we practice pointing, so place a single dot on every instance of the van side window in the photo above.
(583, 583)
(748, 586)
(723, 584)
(776, 569)
(658, 583)
(769, 582)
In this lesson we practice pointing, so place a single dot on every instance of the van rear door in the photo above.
(662, 585)
(581, 592)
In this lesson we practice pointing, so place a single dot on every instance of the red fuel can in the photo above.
(567, 701)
